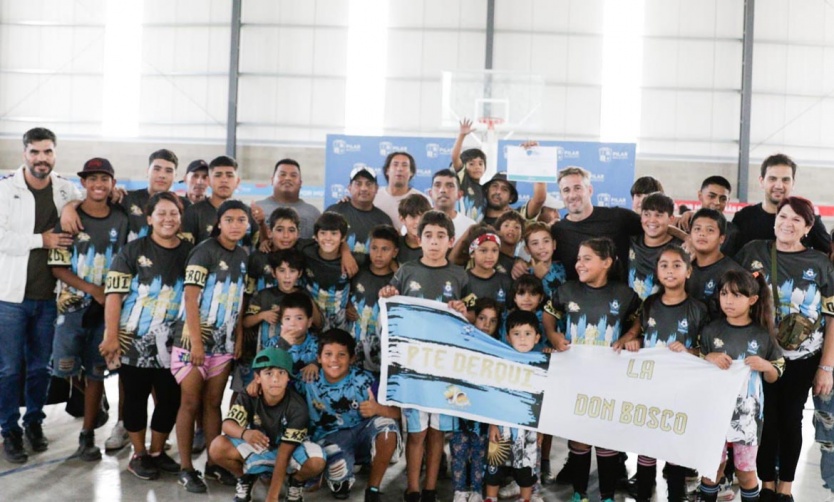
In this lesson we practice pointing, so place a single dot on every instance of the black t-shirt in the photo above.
(364, 294)
(805, 282)
(615, 222)
(505, 263)
(328, 285)
(133, 204)
(360, 223)
(731, 237)
(199, 220)
(89, 258)
(703, 283)
(259, 274)
(408, 253)
(151, 278)
(642, 265)
(285, 422)
(665, 324)
(40, 284)
(754, 223)
(496, 287)
(594, 316)
(443, 284)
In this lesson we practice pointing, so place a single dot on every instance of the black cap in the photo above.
(97, 165)
(502, 176)
(196, 165)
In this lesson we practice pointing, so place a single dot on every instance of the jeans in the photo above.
(824, 435)
(26, 333)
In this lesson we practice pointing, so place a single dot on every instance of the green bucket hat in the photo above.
(272, 357)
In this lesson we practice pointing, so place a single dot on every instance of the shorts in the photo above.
(418, 421)
(242, 375)
(75, 347)
(744, 456)
(213, 365)
(518, 449)
(264, 463)
(495, 476)
(346, 447)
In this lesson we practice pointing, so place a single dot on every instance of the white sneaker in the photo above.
(510, 491)
(461, 496)
(536, 497)
(725, 490)
(118, 438)
(475, 497)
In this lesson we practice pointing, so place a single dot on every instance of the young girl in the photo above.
(468, 444)
(527, 294)
(597, 310)
(670, 318)
(540, 245)
(744, 334)
(206, 334)
(484, 280)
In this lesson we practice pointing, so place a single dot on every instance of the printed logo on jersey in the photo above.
(651, 322)
(573, 307)
(114, 235)
(502, 296)
(360, 288)
(257, 420)
(718, 343)
(809, 275)
(223, 265)
(447, 290)
(753, 347)
(144, 261)
(614, 307)
(683, 326)
(414, 286)
(756, 265)
(709, 288)
(82, 237)
(136, 210)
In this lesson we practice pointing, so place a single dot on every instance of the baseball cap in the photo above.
(502, 176)
(365, 171)
(553, 202)
(273, 357)
(196, 165)
(96, 165)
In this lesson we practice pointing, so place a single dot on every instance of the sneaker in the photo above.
(118, 439)
(476, 497)
(428, 496)
(691, 475)
(295, 490)
(243, 488)
(87, 449)
(461, 496)
(13, 448)
(199, 442)
(192, 481)
(725, 490)
(535, 497)
(564, 476)
(411, 496)
(166, 464)
(341, 489)
(143, 467)
(510, 491)
(545, 475)
(579, 497)
(372, 496)
(767, 495)
(784, 497)
(34, 433)
(220, 475)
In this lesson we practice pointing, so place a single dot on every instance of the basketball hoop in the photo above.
(490, 122)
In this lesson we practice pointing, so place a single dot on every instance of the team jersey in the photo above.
(642, 266)
(285, 422)
(90, 256)
(740, 342)
(505, 263)
(665, 324)
(302, 353)
(199, 220)
(328, 285)
(220, 273)
(703, 283)
(134, 203)
(408, 253)
(805, 282)
(335, 406)
(360, 223)
(594, 316)
(259, 274)
(364, 294)
(555, 277)
(497, 287)
(754, 223)
(266, 299)
(472, 202)
(443, 284)
(151, 278)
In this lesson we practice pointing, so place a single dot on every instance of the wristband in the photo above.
(827, 369)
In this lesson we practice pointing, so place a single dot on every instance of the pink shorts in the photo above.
(744, 456)
(213, 365)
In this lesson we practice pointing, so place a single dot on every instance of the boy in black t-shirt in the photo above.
(708, 230)
(267, 434)
(411, 209)
(323, 278)
(655, 216)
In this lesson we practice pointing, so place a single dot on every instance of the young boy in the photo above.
(512, 449)
(296, 319)
(655, 217)
(708, 231)
(470, 166)
(323, 278)
(509, 226)
(411, 209)
(364, 293)
(82, 270)
(432, 277)
(540, 246)
(349, 423)
(267, 433)
(283, 235)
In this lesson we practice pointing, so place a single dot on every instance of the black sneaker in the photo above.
(767, 495)
(784, 497)
(243, 488)
(691, 474)
(13, 448)
(87, 449)
(372, 496)
(411, 497)
(166, 464)
(428, 496)
(192, 481)
(220, 475)
(34, 433)
(564, 477)
(341, 489)
(143, 467)
(295, 490)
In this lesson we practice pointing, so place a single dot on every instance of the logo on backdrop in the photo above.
(337, 192)
(434, 150)
(386, 148)
(341, 147)
(607, 154)
(563, 154)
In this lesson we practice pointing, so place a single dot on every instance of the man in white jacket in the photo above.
(30, 201)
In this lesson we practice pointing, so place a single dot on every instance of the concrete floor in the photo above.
(50, 476)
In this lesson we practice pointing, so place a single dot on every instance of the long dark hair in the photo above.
(671, 248)
(747, 284)
(604, 248)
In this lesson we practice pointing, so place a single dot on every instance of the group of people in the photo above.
(180, 295)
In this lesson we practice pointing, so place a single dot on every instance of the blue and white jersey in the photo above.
(335, 406)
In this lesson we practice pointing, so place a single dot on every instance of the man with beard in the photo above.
(399, 169)
(756, 222)
(286, 186)
(445, 192)
(30, 201)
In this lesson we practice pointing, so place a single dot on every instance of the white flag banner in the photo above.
(655, 402)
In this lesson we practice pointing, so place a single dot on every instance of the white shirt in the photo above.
(390, 204)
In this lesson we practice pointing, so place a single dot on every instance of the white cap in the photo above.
(553, 202)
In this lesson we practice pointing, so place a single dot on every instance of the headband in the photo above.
(477, 241)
